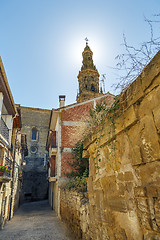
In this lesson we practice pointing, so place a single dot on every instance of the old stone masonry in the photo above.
(117, 195)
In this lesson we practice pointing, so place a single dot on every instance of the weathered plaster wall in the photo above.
(124, 193)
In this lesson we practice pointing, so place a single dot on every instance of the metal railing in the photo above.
(7, 174)
(4, 131)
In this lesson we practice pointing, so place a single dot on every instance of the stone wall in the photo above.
(124, 186)
(74, 211)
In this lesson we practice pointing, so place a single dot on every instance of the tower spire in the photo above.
(86, 39)
(88, 76)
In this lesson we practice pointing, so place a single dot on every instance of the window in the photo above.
(34, 134)
(33, 149)
(92, 88)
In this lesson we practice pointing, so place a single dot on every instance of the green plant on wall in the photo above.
(99, 115)
(79, 164)
(80, 170)
(5, 168)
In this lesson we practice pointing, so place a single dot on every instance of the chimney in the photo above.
(62, 101)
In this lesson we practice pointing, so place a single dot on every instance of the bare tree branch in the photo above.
(132, 62)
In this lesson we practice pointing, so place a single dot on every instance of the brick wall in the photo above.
(74, 122)
(79, 112)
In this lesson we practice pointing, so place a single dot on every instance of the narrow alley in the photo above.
(35, 221)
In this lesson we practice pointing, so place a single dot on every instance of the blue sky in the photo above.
(41, 43)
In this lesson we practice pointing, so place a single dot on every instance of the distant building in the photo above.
(35, 125)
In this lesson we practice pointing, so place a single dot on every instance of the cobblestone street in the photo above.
(35, 221)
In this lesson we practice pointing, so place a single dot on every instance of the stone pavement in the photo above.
(35, 221)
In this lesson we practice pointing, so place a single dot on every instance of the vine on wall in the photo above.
(80, 170)
(99, 115)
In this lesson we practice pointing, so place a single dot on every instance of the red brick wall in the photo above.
(65, 166)
(77, 113)
(72, 134)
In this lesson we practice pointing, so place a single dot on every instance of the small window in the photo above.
(33, 149)
(34, 134)
(92, 88)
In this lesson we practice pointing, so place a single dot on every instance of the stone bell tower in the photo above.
(88, 77)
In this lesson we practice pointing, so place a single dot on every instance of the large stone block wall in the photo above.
(74, 211)
(124, 190)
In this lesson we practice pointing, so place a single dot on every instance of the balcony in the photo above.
(53, 146)
(52, 169)
(5, 176)
(4, 131)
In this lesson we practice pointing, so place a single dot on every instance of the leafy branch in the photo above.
(80, 170)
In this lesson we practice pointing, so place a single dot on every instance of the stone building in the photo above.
(20, 150)
(35, 124)
(69, 123)
(11, 150)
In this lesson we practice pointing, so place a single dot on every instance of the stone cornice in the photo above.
(88, 71)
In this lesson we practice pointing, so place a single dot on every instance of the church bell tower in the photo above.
(88, 77)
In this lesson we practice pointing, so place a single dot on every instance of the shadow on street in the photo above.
(34, 221)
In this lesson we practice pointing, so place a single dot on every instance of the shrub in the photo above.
(80, 170)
